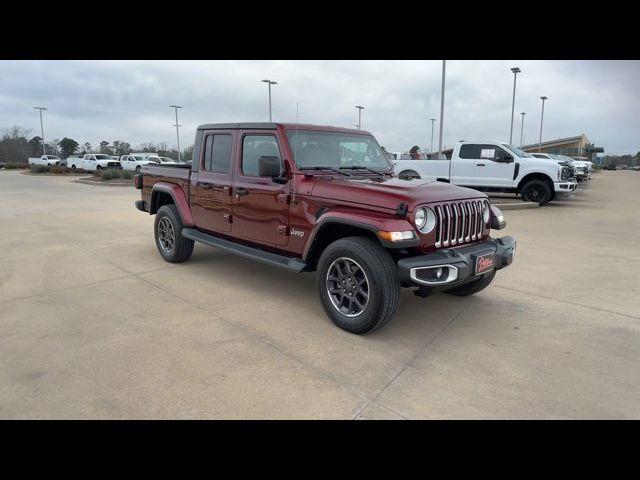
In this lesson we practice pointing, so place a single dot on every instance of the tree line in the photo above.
(17, 145)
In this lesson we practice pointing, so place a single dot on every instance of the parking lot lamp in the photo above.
(44, 151)
(515, 71)
(176, 107)
(522, 129)
(270, 82)
(541, 119)
(433, 121)
(444, 65)
(360, 108)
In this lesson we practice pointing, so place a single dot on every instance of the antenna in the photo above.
(295, 146)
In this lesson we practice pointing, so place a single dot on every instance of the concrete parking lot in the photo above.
(94, 324)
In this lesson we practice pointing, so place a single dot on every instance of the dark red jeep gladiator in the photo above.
(306, 198)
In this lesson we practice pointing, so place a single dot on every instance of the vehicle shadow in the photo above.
(300, 290)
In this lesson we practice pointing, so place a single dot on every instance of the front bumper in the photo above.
(565, 187)
(462, 261)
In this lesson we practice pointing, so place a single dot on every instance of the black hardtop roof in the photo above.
(273, 126)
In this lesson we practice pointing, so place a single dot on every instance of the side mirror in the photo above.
(269, 166)
(507, 159)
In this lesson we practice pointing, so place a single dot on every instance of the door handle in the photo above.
(205, 186)
(480, 164)
(241, 192)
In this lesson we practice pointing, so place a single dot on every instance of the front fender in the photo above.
(367, 220)
(179, 200)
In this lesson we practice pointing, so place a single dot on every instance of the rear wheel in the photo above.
(473, 287)
(536, 191)
(358, 284)
(173, 247)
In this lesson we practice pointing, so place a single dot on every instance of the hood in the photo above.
(390, 192)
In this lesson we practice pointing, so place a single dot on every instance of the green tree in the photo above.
(35, 146)
(105, 148)
(68, 146)
(121, 148)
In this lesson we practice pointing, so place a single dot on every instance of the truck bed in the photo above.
(176, 174)
(428, 169)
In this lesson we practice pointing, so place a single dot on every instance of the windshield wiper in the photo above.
(325, 168)
(359, 167)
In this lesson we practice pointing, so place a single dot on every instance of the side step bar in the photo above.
(294, 264)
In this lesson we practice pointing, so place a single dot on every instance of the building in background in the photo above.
(578, 147)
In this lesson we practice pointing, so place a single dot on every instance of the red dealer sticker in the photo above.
(485, 262)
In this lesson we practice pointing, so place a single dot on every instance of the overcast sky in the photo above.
(129, 100)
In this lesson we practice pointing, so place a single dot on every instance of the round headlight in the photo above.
(425, 219)
(485, 214)
(421, 218)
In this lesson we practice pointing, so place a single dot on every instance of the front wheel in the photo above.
(98, 168)
(536, 191)
(138, 168)
(358, 284)
(408, 175)
(173, 247)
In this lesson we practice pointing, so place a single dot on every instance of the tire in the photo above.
(138, 168)
(373, 272)
(408, 175)
(536, 191)
(98, 168)
(73, 167)
(167, 229)
(473, 287)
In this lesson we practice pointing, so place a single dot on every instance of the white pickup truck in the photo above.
(136, 161)
(98, 161)
(494, 167)
(45, 160)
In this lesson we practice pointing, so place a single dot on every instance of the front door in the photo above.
(492, 167)
(211, 204)
(260, 205)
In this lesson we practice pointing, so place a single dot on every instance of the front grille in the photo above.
(459, 222)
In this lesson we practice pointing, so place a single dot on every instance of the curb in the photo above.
(102, 184)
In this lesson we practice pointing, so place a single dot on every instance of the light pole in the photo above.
(269, 82)
(176, 107)
(522, 130)
(541, 119)
(515, 71)
(44, 151)
(444, 66)
(433, 121)
(360, 108)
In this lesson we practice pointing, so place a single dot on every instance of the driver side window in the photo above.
(255, 147)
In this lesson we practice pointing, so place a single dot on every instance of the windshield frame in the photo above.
(517, 151)
(387, 168)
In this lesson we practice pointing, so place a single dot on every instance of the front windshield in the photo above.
(336, 150)
(518, 152)
(103, 157)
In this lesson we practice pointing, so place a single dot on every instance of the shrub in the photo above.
(113, 174)
(39, 168)
(15, 165)
(59, 169)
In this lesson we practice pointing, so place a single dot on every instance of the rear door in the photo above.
(260, 205)
(463, 165)
(211, 204)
